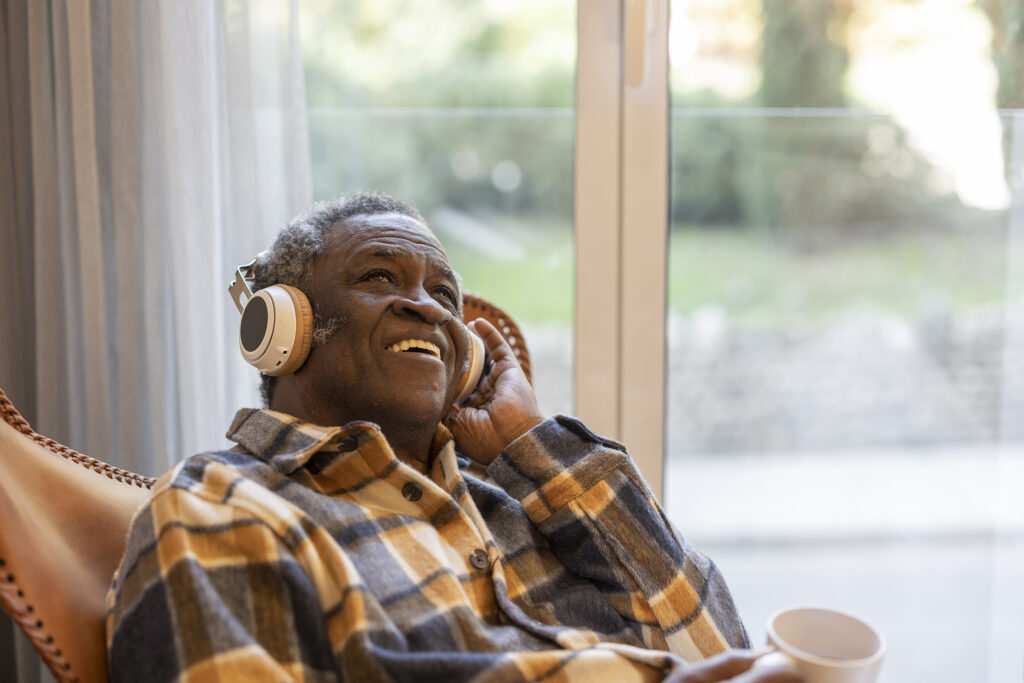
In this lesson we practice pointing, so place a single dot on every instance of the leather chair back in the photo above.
(63, 522)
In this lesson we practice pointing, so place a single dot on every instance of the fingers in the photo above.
(500, 358)
(734, 666)
(776, 673)
(726, 665)
(497, 347)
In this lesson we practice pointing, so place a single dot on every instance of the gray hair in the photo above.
(297, 247)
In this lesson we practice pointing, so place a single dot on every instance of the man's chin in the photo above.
(389, 398)
(422, 405)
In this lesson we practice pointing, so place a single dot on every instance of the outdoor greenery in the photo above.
(466, 109)
(399, 90)
(762, 282)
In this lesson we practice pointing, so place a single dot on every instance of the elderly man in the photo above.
(348, 536)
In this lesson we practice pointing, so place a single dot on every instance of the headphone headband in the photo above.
(245, 280)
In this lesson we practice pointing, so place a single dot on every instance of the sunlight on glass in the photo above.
(928, 64)
(713, 45)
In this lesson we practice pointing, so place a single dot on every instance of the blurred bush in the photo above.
(471, 106)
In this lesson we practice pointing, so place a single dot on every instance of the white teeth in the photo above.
(407, 344)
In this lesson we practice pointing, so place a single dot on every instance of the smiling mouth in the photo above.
(416, 346)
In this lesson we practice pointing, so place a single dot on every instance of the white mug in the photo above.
(824, 645)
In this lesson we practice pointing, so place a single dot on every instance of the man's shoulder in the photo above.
(235, 458)
(210, 490)
(197, 472)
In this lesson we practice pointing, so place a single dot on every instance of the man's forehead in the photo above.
(385, 235)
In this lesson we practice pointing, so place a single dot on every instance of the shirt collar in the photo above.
(287, 443)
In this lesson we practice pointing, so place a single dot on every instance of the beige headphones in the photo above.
(471, 377)
(276, 330)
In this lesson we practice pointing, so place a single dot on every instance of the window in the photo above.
(812, 243)
(844, 399)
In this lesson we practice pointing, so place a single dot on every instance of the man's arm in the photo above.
(586, 496)
(584, 493)
(207, 591)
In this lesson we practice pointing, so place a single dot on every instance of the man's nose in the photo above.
(423, 306)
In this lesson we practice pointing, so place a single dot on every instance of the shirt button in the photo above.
(478, 558)
(412, 492)
(347, 443)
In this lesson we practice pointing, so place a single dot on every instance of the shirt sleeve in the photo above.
(586, 496)
(207, 591)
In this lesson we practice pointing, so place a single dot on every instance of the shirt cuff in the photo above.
(559, 452)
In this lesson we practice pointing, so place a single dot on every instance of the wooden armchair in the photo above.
(63, 521)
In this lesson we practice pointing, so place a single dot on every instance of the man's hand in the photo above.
(502, 409)
(734, 666)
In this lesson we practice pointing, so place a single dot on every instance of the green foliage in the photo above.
(411, 53)
(761, 280)
(801, 66)
(1007, 20)
(425, 99)
(541, 275)
(766, 282)
(447, 159)
(819, 175)
(430, 100)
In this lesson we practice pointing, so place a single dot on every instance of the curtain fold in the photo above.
(146, 149)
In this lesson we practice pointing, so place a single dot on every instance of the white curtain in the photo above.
(146, 149)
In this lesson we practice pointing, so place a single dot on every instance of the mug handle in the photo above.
(775, 657)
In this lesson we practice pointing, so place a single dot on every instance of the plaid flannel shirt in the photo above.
(312, 553)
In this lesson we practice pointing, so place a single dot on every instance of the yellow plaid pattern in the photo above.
(314, 554)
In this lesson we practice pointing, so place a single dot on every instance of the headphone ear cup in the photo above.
(302, 342)
(474, 370)
(276, 330)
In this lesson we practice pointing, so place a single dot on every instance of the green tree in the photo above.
(1007, 19)
(803, 64)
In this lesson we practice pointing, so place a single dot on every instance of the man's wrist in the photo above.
(522, 427)
(548, 449)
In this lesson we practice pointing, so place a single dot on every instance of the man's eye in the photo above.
(448, 295)
(379, 276)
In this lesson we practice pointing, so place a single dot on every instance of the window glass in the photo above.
(845, 400)
(466, 111)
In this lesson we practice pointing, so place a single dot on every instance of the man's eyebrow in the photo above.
(446, 270)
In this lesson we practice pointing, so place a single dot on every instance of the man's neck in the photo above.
(410, 441)
(413, 449)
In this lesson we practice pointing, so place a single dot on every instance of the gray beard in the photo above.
(324, 329)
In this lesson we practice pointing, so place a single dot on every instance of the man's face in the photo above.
(400, 346)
